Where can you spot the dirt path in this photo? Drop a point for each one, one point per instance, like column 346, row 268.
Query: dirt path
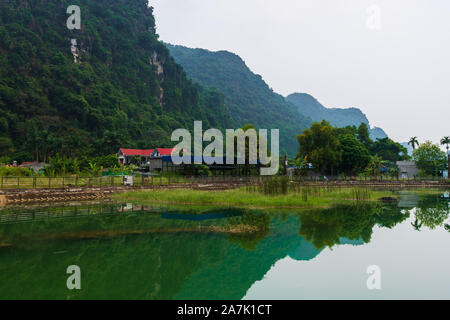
column 22, row 196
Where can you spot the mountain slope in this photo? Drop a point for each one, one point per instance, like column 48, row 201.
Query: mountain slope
column 248, row 97
column 115, row 85
column 309, row 106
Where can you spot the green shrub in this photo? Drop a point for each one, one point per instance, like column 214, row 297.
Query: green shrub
column 15, row 172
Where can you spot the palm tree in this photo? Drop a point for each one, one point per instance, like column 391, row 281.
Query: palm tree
column 445, row 141
column 413, row 142
column 376, row 162
column 417, row 225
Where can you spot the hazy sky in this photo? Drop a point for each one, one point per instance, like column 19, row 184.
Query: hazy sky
column 390, row 58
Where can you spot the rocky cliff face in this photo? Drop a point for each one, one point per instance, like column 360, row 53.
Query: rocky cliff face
column 109, row 84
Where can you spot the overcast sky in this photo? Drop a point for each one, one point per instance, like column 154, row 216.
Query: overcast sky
column 389, row 58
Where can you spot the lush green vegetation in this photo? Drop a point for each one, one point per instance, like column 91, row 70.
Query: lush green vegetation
column 248, row 97
column 127, row 90
column 430, row 159
column 15, row 172
column 348, row 150
column 247, row 197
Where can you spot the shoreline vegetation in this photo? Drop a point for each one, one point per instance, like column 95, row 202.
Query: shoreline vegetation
column 279, row 192
column 304, row 197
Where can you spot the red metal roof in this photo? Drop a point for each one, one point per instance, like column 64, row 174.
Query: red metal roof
column 27, row 163
column 137, row 152
column 165, row 152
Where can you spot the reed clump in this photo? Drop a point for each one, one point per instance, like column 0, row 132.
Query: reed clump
column 271, row 192
column 276, row 186
column 361, row 194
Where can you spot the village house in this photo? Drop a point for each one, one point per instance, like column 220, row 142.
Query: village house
column 407, row 169
column 35, row 166
column 126, row 156
column 151, row 158
column 160, row 159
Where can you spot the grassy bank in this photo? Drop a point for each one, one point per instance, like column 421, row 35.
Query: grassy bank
column 304, row 198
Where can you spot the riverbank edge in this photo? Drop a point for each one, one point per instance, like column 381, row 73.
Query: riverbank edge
column 42, row 195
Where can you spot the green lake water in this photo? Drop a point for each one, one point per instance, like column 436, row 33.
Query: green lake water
column 133, row 251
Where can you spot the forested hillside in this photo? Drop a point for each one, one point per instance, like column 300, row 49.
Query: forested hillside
column 248, row 97
column 116, row 85
column 309, row 106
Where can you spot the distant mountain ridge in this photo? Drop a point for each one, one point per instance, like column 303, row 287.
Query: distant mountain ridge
column 248, row 97
column 251, row 100
column 339, row 117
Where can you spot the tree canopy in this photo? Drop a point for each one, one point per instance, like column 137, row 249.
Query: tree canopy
column 320, row 146
column 347, row 150
column 389, row 150
column 430, row 158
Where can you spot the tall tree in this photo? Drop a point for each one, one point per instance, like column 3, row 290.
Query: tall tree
column 355, row 156
column 320, row 145
column 446, row 141
column 364, row 135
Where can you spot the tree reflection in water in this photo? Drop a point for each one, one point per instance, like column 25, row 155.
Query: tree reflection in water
column 432, row 212
column 326, row 228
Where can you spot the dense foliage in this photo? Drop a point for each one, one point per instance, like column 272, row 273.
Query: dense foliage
column 126, row 90
column 248, row 97
column 348, row 150
column 389, row 150
column 320, row 146
column 429, row 158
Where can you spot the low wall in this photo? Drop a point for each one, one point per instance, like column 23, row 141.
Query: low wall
column 2, row 199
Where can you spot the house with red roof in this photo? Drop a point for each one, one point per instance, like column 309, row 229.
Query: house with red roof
column 127, row 155
column 146, row 156
column 35, row 166
column 161, row 152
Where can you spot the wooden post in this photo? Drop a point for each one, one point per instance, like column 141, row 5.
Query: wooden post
column 2, row 182
column 18, row 182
